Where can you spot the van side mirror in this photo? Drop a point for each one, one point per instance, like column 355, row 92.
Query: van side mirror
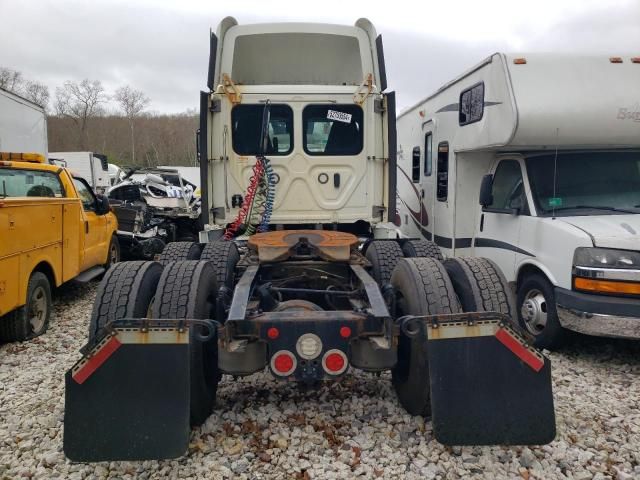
column 102, row 205
column 486, row 198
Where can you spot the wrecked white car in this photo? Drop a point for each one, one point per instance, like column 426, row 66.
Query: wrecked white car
column 154, row 206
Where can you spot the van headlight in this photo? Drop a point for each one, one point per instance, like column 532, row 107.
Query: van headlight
column 606, row 258
column 606, row 270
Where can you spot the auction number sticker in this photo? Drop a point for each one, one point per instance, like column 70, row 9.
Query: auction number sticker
column 339, row 116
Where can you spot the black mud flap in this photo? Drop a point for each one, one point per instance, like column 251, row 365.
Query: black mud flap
column 488, row 386
column 128, row 397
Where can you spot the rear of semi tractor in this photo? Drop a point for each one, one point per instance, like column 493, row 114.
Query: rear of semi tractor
column 299, row 270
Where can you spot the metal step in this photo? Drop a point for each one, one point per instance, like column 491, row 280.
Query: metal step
column 90, row 274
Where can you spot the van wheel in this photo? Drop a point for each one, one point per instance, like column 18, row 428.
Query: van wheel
column 126, row 291
column 114, row 252
column 188, row 290
column 179, row 251
column 537, row 312
column 31, row 319
column 422, row 287
column 384, row 256
column 422, row 248
column 481, row 286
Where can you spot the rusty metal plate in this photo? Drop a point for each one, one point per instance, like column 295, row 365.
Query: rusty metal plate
column 280, row 245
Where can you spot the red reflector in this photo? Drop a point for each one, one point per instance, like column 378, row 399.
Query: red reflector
column 273, row 333
column 345, row 332
column 615, row 59
column 635, row 59
column 334, row 362
column 283, row 363
column 96, row 360
column 519, row 350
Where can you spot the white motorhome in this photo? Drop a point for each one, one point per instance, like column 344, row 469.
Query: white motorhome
column 93, row 167
column 23, row 125
column 555, row 143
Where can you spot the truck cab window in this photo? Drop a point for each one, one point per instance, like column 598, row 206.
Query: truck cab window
column 246, row 121
column 427, row 154
column 443, row 172
column 332, row 129
column 86, row 195
column 508, row 187
column 29, row 183
column 415, row 165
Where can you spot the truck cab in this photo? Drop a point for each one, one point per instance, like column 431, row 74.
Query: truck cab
column 328, row 132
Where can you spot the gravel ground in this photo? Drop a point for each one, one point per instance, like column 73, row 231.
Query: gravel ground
column 264, row 429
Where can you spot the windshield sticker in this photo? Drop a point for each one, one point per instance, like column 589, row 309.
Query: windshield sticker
column 555, row 202
column 339, row 116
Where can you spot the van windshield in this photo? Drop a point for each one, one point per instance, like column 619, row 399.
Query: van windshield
column 588, row 183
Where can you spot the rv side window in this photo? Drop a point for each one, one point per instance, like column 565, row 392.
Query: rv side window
column 443, row 172
column 415, row 165
column 471, row 105
column 508, row 187
column 246, row 121
column 427, row 154
column 332, row 129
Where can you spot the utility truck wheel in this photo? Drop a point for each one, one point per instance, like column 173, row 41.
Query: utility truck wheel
column 113, row 256
column 32, row 319
column 126, row 291
column 178, row 251
column 384, row 256
column 422, row 248
column 538, row 314
column 481, row 286
column 188, row 290
column 422, row 287
column 224, row 256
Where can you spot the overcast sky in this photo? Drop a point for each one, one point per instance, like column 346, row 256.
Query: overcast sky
column 161, row 47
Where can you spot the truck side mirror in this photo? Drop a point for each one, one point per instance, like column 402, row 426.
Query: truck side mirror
column 486, row 198
column 102, row 205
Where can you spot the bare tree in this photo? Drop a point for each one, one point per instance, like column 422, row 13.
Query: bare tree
column 133, row 102
column 37, row 92
column 10, row 80
column 80, row 102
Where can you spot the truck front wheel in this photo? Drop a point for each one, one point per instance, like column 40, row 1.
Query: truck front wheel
column 32, row 319
column 537, row 312
column 114, row 252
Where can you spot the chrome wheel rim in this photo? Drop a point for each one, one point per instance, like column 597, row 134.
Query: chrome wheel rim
column 38, row 309
column 534, row 311
column 113, row 255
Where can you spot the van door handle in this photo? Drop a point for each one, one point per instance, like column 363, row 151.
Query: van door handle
column 481, row 222
column 336, row 180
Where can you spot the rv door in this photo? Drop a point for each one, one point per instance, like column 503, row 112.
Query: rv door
column 499, row 229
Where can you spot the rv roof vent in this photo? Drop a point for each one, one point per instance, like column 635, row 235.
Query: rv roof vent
column 520, row 61
column 615, row 59
column 635, row 59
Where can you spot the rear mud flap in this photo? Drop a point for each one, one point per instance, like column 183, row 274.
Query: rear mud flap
column 128, row 397
column 488, row 386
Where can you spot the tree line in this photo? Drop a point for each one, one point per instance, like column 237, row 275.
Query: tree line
column 128, row 135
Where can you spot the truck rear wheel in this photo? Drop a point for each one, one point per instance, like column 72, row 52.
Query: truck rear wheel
column 126, row 291
column 481, row 286
column 384, row 256
column 422, row 248
column 188, row 290
column 31, row 319
column 223, row 256
column 422, row 287
column 179, row 251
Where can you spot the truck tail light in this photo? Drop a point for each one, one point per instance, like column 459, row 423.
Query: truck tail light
column 334, row 362
column 345, row 332
column 283, row 363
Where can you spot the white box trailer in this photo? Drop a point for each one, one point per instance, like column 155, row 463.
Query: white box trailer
column 93, row 167
column 23, row 125
column 555, row 142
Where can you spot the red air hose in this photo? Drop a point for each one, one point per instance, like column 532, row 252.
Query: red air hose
column 258, row 172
